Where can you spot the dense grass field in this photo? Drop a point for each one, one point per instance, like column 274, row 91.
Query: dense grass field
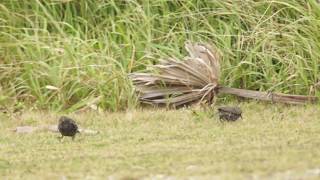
column 73, row 57
column 271, row 141
column 65, row 55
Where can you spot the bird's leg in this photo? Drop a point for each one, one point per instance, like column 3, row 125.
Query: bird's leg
column 60, row 138
column 73, row 138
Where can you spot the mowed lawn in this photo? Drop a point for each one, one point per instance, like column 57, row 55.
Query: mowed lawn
column 271, row 141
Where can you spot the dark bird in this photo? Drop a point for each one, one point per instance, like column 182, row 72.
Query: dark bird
column 67, row 127
column 229, row 113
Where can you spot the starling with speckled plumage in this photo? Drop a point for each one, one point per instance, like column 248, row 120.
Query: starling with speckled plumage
column 67, row 127
column 229, row 113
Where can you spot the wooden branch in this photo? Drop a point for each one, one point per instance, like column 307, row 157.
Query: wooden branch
column 269, row 96
column 49, row 128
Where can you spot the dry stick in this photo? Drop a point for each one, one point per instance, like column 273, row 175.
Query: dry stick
column 269, row 96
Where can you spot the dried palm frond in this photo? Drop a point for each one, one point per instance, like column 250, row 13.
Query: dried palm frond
column 181, row 82
column 195, row 79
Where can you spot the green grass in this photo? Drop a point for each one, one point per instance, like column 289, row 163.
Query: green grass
column 67, row 55
column 74, row 56
column 272, row 141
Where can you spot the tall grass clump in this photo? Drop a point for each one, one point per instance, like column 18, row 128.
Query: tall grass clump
column 68, row 55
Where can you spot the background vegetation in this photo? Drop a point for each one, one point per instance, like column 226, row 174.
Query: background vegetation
column 66, row 54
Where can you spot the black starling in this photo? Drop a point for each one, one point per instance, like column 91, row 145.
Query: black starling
column 229, row 113
column 67, row 127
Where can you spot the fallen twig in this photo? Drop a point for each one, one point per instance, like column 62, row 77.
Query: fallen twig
column 269, row 96
column 49, row 128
